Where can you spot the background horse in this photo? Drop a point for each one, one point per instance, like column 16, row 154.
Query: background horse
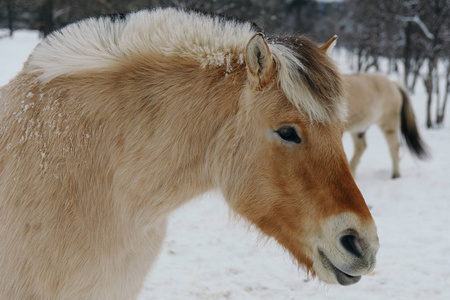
column 113, row 123
column 373, row 98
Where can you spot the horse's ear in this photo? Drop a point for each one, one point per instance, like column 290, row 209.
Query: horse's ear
column 259, row 60
column 329, row 46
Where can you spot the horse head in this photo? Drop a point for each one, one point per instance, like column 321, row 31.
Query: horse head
column 286, row 170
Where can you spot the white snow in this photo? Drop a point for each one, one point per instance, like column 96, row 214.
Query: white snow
column 14, row 52
column 208, row 255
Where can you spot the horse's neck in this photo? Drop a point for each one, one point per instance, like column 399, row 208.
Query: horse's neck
column 171, row 118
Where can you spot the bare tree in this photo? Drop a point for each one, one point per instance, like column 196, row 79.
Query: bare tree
column 436, row 16
column 11, row 15
column 441, row 113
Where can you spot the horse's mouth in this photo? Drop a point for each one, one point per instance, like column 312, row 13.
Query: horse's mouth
column 341, row 277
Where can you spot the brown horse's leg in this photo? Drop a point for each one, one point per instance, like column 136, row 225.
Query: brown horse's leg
column 392, row 138
column 359, row 142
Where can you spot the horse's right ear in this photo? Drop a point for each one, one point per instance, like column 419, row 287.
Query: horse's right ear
column 329, row 46
column 259, row 61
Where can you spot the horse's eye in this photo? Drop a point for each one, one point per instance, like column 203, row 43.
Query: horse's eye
column 289, row 134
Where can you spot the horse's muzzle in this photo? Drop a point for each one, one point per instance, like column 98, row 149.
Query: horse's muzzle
column 343, row 256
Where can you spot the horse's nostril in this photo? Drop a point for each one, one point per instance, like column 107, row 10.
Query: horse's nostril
column 351, row 244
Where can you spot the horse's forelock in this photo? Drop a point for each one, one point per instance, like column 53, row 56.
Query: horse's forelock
column 305, row 73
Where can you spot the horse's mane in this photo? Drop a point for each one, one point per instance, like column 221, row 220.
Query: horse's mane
column 213, row 41
column 98, row 43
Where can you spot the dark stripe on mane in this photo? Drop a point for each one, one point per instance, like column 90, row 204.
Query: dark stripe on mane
column 116, row 16
column 320, row 74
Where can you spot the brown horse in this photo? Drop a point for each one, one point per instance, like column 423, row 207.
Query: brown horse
column 373, row 98
column 115, row 122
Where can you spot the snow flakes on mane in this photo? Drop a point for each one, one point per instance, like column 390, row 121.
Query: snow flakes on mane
column 101, row 43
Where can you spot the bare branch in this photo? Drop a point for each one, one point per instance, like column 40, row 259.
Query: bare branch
column 422, row 26
column 61, row 12
column 107, row 5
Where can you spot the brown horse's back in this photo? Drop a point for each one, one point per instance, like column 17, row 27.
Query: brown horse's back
column 371, row 98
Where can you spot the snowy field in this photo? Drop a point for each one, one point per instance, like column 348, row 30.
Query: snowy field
column 208, row 255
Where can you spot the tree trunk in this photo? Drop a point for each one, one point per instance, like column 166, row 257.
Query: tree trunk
column 360, row 57
column 418, row 62
column 407, row 52
column 441, row 117
column 437, row 92
column 371, row 62
column 429, row 86
column 11, row 16
column 47, row 24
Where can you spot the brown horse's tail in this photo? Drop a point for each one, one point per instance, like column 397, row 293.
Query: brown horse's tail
column 409, row 128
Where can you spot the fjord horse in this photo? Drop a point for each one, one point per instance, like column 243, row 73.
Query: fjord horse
column 374, row 99
column 113, row 123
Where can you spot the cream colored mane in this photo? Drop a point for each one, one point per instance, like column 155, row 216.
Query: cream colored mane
column 96, row 44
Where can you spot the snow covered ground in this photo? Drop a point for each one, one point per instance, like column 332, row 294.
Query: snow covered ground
column 208, row 255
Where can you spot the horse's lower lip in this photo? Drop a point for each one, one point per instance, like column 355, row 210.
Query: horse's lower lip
column 341, row 277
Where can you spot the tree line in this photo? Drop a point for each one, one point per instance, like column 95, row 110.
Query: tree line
column 414, row 35
column 48, row 15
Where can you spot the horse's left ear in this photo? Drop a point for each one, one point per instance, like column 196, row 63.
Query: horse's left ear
column 329, row 46
column 259, row 60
